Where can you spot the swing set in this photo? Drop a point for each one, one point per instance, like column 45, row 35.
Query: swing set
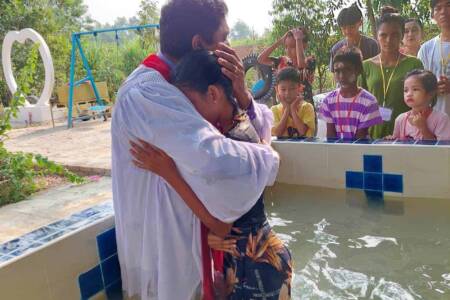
column 76, row 46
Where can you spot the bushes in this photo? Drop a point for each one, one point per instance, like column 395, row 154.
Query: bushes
column 20, row 174
column 113, row 63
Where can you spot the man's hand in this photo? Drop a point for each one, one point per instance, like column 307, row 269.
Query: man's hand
column 233, row 68
column 443, row 86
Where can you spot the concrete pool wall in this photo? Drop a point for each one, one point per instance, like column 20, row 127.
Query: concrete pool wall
column 82, row 262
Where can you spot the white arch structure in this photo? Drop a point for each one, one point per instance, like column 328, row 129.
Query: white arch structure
column 39, row 111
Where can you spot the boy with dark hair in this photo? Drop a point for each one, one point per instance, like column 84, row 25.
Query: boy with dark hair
column 349, row 111
column 293, row 117
column 350, row 21
column 435, row 54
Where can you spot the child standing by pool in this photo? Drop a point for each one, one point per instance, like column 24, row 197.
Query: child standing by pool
column 295, row 42
column 421, row 122
column 349, row 111
column 293, row 117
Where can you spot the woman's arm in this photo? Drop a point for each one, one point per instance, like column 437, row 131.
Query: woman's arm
column 152, row 159
column 264, row 57
column 362, row 133
column 298, row 36
column 331, row 130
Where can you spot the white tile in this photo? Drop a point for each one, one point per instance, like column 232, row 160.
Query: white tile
column 25, row 278
column 426, row 174
column 68, row 258
column 342, row 158
column 302, row 163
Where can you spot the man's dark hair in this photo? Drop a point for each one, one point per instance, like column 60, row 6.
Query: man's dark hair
column 349, row 16
column 351, row 55
column 427, row 78
column 289, row 74
column 198, row 70
column 387, row 17
column 434, row 3
column 181, row 20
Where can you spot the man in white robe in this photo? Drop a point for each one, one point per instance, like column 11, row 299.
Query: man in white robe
column 158, row 236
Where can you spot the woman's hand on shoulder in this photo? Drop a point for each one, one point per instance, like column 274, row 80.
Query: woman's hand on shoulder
column 151, row 158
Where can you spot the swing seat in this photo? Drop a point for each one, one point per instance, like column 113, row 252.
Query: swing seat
column 84, row 102
column 99, row 110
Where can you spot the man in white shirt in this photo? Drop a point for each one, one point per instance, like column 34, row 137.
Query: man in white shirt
column 158, row 236
column 435, row 54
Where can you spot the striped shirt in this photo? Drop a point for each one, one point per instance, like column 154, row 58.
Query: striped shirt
column 350, row 114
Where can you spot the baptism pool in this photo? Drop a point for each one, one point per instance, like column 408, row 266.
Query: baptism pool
column 363, row 221
column 348, row 247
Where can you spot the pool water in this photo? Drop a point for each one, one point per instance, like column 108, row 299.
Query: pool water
column 347, row 247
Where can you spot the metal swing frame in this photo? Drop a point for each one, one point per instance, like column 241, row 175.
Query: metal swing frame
column 76, row 46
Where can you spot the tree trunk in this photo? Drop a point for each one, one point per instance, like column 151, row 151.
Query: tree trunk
column 371, row 16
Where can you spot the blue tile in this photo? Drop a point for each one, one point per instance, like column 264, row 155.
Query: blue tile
column 345, row 141
column 443, row 143
column 56, row 235
column 114, row 291
column 87, row 213
column 331, row 140
column 90, row 283
column 354, row 180
column 374, row 195
column 383, row 141
column 10, row 246
column 40, row 233
column 25, row 249
column 111, row 270
column 65, row 223
column 373, row 163
column 393, row 183
column 405, row 142
column 4, row 258
column 23, row 242
column 426, row 142
column 106, row 244
column 312, row 140
column 373, row 181
column 296, row 139
column 363, row 141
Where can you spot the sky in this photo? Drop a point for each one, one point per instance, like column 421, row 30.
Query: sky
column 253, row 12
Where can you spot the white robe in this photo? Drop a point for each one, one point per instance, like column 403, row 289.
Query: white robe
column 158, row 236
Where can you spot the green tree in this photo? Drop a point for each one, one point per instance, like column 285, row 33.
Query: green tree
column 149, row 14
column 318, row 17
column 241, row 31
column 419, row 9
column 55, row 20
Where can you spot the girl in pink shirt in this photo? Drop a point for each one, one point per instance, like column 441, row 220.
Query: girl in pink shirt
column 421, row 122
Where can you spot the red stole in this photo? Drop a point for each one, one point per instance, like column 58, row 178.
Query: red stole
column 155, row 62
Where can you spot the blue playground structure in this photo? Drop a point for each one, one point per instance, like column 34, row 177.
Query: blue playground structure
column 76, row 45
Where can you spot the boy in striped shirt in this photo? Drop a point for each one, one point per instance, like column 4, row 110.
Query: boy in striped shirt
column 349, row 111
